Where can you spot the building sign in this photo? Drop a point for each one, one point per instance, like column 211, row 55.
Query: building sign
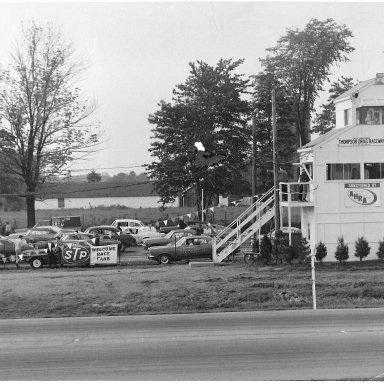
column 104, row 255
column 357, row 141
column 362, row 194
column 74, row 254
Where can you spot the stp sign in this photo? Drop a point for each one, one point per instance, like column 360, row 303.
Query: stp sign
column 75, row 254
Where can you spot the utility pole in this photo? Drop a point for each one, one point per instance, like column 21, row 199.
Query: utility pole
column 275, row 170
column 254, row 177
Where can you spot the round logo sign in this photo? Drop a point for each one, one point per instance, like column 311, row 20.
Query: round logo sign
column 362, row 196
column 75, row 254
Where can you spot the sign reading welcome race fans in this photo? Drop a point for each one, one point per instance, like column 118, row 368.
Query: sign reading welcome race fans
column 363, row 194
column 104, row 255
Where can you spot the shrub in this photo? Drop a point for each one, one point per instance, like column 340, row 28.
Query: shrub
column 279, row 246
column 380, row 252
column 297, row 251
column 362, row 248
column 321, row 251
column 342, row 252
column 265, row 250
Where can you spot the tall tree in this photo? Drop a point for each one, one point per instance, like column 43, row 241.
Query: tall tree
column 43, row 124
column 326, row 119
column 302, row 61
column 208, row 108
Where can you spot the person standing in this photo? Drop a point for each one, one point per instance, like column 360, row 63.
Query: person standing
column 8, row 229
column 20, row 244
column 52, row 251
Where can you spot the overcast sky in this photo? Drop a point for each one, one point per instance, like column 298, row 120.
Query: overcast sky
column 138, row 51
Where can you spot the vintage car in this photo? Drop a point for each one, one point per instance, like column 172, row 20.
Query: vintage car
column 76, row 237
column 136, row 228
column 40, row 234
column 187, row 248
column 170, row 237
column 79, row 255
column 7, row 250
column 109, row 232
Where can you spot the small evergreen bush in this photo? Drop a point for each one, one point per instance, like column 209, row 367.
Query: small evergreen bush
column 280, row 245
column 380, row 252
column 265, row 250
column 342, row 251
column 321, row 251
column 362, row 248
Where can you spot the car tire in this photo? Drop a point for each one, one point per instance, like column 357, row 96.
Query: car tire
column 36, row 263
column 164, row 259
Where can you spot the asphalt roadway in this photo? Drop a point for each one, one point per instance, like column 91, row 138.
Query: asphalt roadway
column 285, row 345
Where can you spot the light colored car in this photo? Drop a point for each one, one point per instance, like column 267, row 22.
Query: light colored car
column 136, row 228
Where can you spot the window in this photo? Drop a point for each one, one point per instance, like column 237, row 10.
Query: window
column 370, row 115
column 60, row 202
column 373, row 171
column 343, row 171
column 346, row 117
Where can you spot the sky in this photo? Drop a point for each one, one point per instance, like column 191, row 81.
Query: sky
column 137, row 52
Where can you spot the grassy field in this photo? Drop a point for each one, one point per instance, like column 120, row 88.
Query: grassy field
column 106, row 215
column 179, row 288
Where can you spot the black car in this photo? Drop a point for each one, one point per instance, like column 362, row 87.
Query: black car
column 109, row 232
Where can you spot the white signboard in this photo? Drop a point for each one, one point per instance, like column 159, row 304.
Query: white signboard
column 104, row 255
column 362, row 194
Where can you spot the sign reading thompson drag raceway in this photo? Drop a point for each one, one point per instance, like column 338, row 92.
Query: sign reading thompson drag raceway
column 104, row 255
column 362, row 194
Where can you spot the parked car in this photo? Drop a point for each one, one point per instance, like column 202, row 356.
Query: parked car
column 77, row 237
column 39, row 234
column 136, row 228
column 187, row 248
column 38, row 257
column 110, row 232
column 65, row 222
column 7, row 248
column 170, row 237
column 285, row 230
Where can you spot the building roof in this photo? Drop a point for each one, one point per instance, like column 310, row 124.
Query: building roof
column 323, row 138
column 107, row 189
column 357, row 88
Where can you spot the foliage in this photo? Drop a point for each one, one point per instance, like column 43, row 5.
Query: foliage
column 208, row 108
column 286, row 131
column 302, row 60
column 342, row 252
column 93, row 177
column 326, row 119
column 362, row 248
column 265, row 250
column 321, row 251
column 42, row 127
column 298, row 251
column 280, row 246
column 380, row 252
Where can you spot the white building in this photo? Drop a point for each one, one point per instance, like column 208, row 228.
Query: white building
column 90, row 195
column 346, row 170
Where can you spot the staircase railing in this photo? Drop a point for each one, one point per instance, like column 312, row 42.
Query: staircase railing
column 244, row 226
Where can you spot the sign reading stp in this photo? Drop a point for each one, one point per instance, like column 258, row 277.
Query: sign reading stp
column 75, row 255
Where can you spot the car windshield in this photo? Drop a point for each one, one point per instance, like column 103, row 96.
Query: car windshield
column 169, row 235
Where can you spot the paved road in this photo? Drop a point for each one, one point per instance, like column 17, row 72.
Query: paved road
column 286, row 345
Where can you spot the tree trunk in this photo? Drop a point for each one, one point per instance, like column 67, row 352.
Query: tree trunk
column 31, row 218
